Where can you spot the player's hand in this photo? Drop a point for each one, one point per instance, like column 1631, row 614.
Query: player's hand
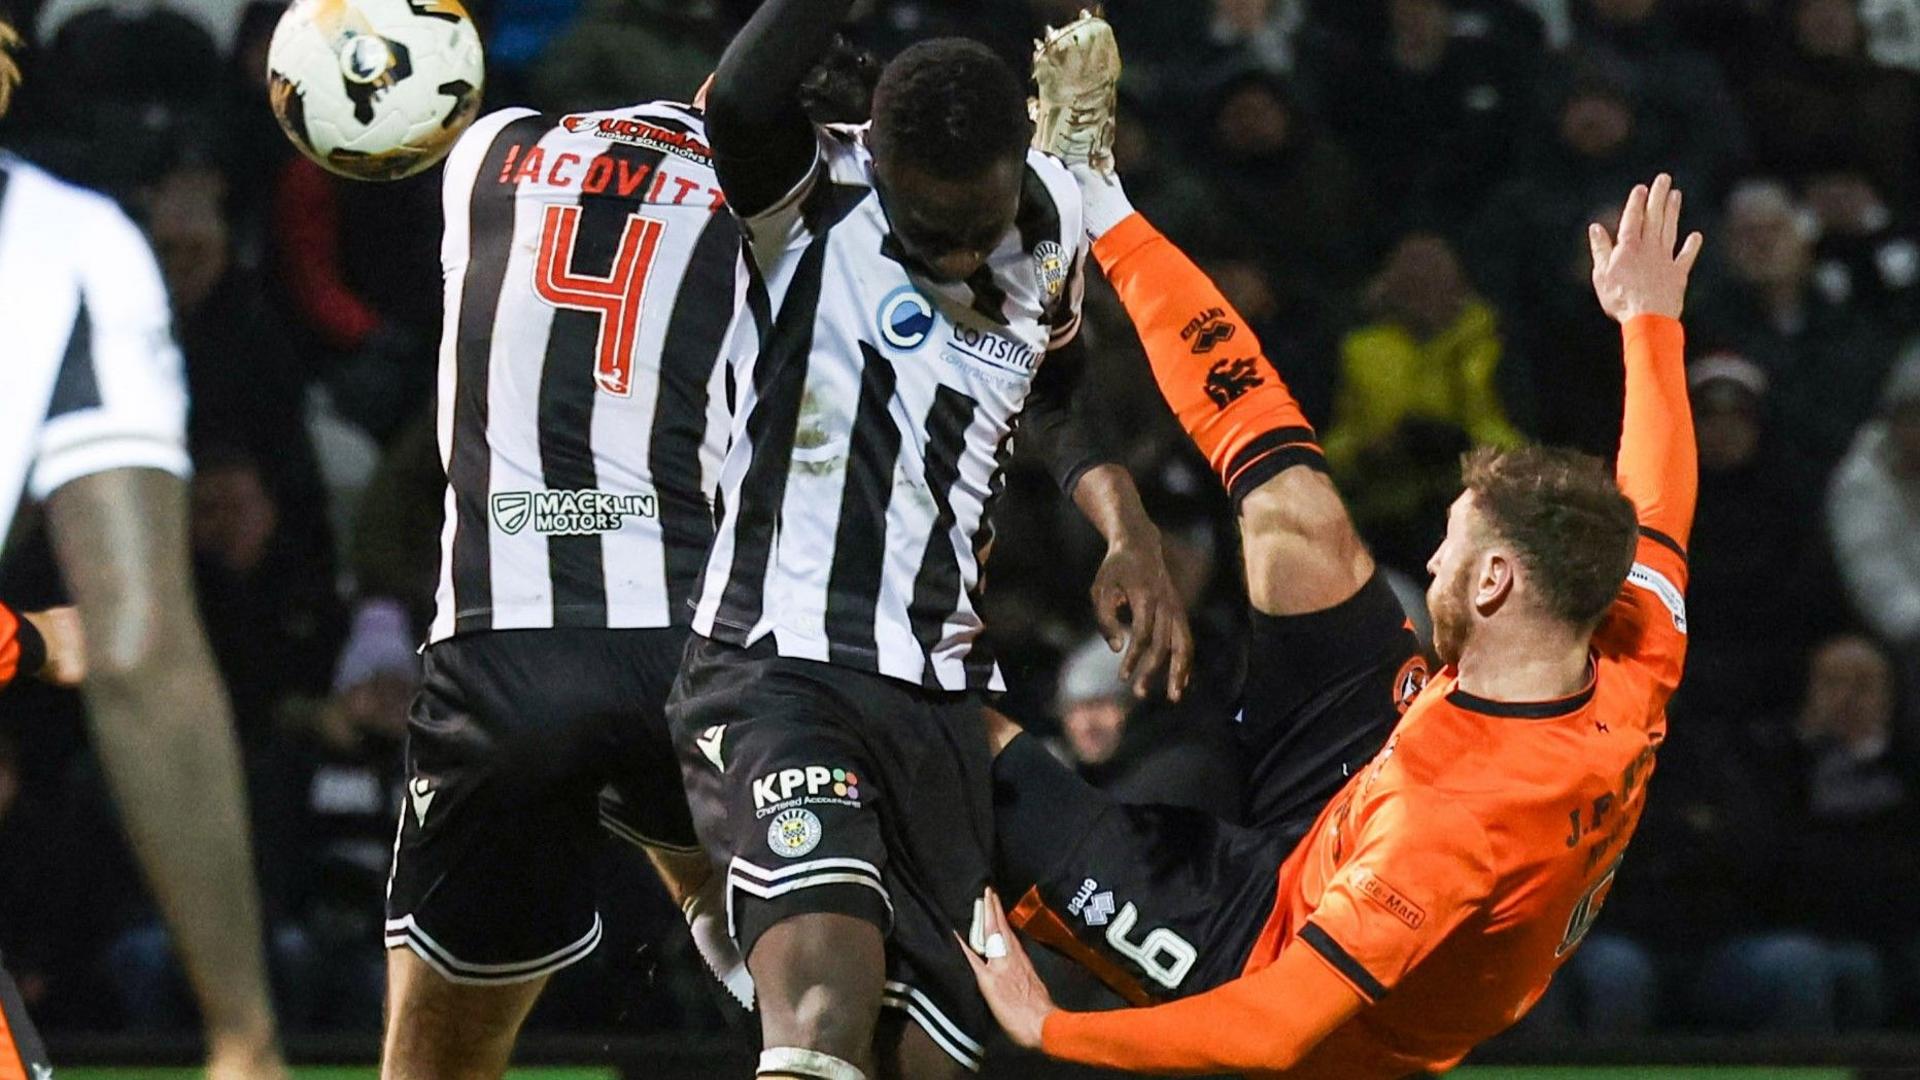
column 1155, row 635
column 1013, row 990
column 66, row 645
column 1638, row 271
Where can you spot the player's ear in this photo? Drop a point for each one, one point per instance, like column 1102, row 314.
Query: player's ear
column 1493, row 582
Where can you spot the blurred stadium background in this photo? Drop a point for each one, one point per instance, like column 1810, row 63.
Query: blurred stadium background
column 1392, row 190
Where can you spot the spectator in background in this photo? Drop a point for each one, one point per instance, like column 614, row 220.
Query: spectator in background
column 1758, row 522
column 1417, row 386
column 1854, row 860
column 270, row 609
column 1290, row 193
column 1434, row 114
column 1690, row 117
column 327, row 793
column 359, row 265
column 1873, row 512
column 1818, row 102
column 244, row 382
column 617, row 52
column 1592, row 151
column 1867, row 255
column 1141, row 753
column 1825, row 358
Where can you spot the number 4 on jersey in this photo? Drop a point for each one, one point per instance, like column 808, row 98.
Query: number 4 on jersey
column 617, row 298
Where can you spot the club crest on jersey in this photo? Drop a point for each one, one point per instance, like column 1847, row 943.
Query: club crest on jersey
column 1050, row 268
column 1409, row 682
column 794, row 833
column 905, row 320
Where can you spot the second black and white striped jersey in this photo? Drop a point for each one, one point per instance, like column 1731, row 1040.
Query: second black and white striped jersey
column 590, row 277
column 875, row 410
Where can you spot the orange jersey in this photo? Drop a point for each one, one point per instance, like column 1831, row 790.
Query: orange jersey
column 1439, row 891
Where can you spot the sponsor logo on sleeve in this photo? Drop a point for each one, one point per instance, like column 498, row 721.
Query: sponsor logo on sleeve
column 1374, row 888
column 569, row 513
column 811, row 785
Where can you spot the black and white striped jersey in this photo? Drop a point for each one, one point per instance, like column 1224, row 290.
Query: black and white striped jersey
column 875, row 409
column 90, row 377
column 590, row 277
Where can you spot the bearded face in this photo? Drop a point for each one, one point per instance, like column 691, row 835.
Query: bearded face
column 1452, row 569
column 1452, row 617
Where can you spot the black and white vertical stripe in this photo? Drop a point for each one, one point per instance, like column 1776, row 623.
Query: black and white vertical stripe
column 875, row 408
column 523, row 419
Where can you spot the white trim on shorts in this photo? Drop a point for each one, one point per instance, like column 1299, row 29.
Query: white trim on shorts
column 620, row 830
column 404, row 931
column 767, row 884
column 942, row 1030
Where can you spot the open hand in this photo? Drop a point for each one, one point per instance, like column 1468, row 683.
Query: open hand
column 1156, row 637
column 1013, row 989
column 1638, row 271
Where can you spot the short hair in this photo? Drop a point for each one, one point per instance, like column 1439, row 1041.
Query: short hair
column 9, row 68
column 1576, row 532
column 952, row 107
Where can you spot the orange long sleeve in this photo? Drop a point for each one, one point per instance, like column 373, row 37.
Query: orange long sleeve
column 21, row 650
column 1659, row 466
column 1260, row 1023
column 1219, row 383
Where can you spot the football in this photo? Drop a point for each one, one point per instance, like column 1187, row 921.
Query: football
column 375, row 89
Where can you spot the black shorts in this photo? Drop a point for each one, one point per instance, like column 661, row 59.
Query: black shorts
column 1162, row 902
column 522, row 745
column 819, row 789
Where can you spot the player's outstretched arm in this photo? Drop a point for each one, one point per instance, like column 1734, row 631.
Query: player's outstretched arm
column 763, row 143
column 164, row 733
column 1265, row 1022
column 1640, row 276
column 1301, row 549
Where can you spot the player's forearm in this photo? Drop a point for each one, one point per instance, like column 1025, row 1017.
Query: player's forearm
column 762, row 139
column 1265, row 1022
column 1659, row 468
column 1110, row 501
column 1051, row 428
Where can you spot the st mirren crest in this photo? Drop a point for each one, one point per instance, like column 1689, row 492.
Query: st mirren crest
column 1050, row 269
column 511, row 509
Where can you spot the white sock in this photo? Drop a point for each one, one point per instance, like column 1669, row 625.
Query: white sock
column 1106, row 201
column 812, row 1064
column 707, row 921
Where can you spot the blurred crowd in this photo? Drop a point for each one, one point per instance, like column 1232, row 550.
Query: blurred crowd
column 1394, row 194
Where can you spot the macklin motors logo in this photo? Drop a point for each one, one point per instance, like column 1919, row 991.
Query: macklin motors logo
column 568, row 513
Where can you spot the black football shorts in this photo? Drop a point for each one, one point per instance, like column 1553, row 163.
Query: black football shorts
column 822, row 789
column 1161, row 902
column 521, row 747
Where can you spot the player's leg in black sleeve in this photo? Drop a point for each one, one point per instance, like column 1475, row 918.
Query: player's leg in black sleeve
column 1156, row 901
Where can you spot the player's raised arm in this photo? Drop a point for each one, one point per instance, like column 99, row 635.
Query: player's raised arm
column 1641, row 281
column 1640, row 275
column 763, row 143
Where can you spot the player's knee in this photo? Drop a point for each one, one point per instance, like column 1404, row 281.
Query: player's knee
column 438, row 1024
